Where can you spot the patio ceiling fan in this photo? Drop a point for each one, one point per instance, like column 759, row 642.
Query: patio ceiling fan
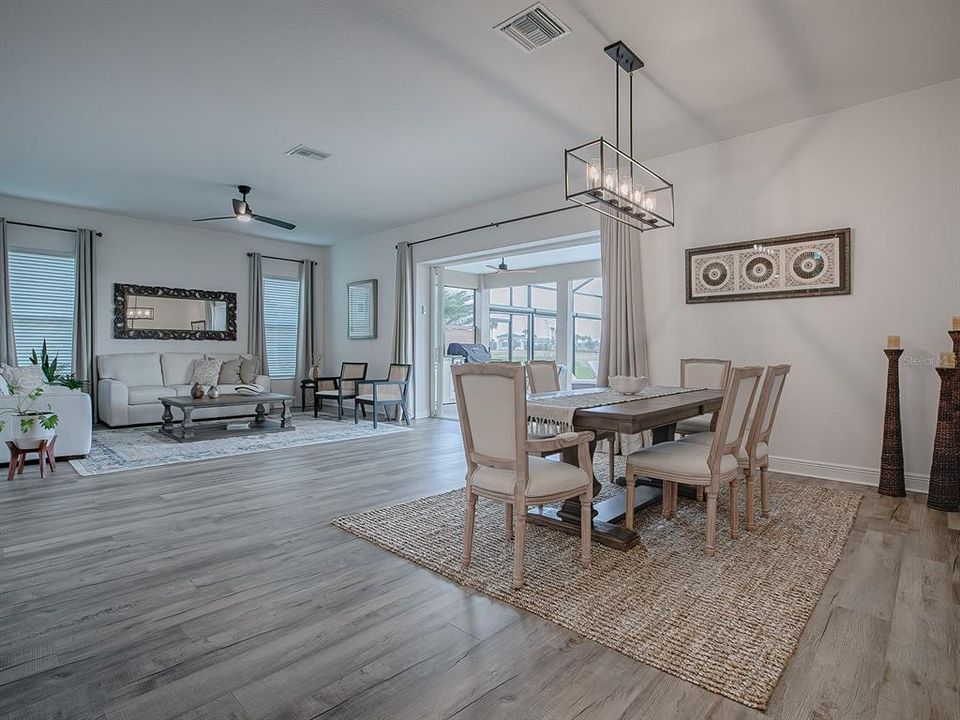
column 243, row 213
column 502, row 269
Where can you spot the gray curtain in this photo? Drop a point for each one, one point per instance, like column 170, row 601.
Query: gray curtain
column 256, row 329
column 623, row 334
column 84, row 356
column 306, row 321
column 403, row 318
column 8, row 345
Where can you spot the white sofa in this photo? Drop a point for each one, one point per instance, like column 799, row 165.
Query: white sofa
column 131, row 383
column 73, row 430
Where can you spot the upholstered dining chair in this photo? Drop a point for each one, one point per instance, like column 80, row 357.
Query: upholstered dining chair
column 707, row 373
column 492, row 404
column 754, row 454
column 345, row 387
column 696, row 464
column 544, row 376
column 382, row 394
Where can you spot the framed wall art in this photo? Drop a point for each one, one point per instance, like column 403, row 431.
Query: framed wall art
column 362, row 310
column 812, row 264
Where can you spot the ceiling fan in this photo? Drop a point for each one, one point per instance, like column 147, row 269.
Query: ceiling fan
column 502, row 269
column 243, row 213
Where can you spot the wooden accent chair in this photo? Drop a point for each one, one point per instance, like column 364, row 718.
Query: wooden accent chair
column 389, row 392
column 544, row 376
column 492, row 404
column 755, row 452
column 696, row 464
column 345, row 388
column 702, row 373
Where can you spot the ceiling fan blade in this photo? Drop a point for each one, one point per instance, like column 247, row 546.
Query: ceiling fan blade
column 273, row 221
column 522, row 272
column 225, row 217
column 239, row 207
column 492, row 267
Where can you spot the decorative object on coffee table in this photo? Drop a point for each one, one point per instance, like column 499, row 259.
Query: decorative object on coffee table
column 891, row 456
column 213, row 392
column 196, row 392
column 944, row 491
column 45, row 454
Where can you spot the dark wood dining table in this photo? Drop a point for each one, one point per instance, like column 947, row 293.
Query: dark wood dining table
column 658, row 414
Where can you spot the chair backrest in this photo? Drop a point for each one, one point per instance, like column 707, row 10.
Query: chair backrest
column 543, row 376
column 704, row 373
column 766, row 409
column 350, row 371
column 492, row 405
column 399, row 372
column 738, row 397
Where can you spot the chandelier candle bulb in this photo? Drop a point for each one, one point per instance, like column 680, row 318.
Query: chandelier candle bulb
column 948, row 360
column 893, row 342
column 956, row 322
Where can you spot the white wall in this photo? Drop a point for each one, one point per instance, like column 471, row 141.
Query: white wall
column 889, row 169
column 151, row 253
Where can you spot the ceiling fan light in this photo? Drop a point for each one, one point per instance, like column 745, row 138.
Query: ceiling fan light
column 244, row 218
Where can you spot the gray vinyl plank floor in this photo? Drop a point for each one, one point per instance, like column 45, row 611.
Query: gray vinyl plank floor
column 219, row 590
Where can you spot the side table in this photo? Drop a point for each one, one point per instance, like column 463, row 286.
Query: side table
column 45, row 454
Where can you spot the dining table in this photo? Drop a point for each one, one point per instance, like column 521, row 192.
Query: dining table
column 659, row 415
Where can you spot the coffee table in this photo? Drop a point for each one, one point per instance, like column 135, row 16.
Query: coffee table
column 189, row 431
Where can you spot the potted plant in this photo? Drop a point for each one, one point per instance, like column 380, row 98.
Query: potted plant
column 31, row 423
column 49, row 367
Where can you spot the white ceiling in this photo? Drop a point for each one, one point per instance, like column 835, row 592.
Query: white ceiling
column 528, row 260
column 157, row 109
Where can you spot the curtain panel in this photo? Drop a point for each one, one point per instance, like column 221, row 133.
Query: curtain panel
column 307, row 340
column 84, row 353
column 403, row 318
column 256, row 328
column 8, row 345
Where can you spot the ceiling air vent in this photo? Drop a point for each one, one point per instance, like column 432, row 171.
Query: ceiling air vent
column 306, row 152
column 533, row 28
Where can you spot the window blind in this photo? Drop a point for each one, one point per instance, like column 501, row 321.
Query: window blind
column 281, row 303
column 42, row 290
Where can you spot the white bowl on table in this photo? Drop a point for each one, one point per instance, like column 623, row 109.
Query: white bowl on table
column 627, row 384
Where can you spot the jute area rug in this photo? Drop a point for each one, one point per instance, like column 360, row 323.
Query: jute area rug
column 728, row 623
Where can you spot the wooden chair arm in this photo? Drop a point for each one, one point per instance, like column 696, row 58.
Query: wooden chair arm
column 558, row 442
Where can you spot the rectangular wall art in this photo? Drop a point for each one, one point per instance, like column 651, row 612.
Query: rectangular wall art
column 781, row 267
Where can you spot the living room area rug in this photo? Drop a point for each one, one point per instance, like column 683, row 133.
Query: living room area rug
column 118, row 449
column 728, row 623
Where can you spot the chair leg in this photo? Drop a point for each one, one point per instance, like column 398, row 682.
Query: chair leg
column 316, row 405
column 508, row 521
column 748, row 489
column 735, row 507
column 674, row 489
column 406, row 418
column 355, row 418
column 374, row 415
column 667, row 493
column 711, row 521
column 339, row 410
column 468, row 528
column 585, row 520
column 699, row 493
column 520, row 537
column 629, row 494
column 764, row 492
column 363, row 410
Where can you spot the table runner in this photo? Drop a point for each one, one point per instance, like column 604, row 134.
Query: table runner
column 551, row 413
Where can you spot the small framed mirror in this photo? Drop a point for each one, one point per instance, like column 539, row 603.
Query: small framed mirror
column 362, row 310
column 146, row 312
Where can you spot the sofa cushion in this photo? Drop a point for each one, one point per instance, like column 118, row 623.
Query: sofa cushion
column 4, row 386
column 206, row 372
column 27, row 379
column 131, row 368
column 230, row 372
column 145, row 394
column 178, row 367
column 249, row 369
column 182, row 390
column 227, row 356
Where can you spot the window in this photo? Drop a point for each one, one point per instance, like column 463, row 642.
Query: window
column 281, row 306
column 42, row 289
column 587, row 298
column 520, row 313
column 459, row 319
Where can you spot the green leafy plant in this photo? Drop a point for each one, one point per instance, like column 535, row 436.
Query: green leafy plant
column 29, row 413
column 70, row 381
column 47, row 365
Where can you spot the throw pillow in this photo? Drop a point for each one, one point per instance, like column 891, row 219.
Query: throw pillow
column 249, row 369
column 206, row 372
column 4, row 386
column 249, row 389
column 6, row 372
column 230, row 372
column 27, row 379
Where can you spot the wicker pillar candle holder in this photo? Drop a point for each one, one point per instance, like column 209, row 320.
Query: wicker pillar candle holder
column 944, row 493
column 891, row 456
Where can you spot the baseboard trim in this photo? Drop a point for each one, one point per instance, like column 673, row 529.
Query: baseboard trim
column 915, row 482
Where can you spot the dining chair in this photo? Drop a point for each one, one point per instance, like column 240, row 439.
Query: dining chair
column 389, row 392
column 707, row 373
column 492, row 405
column 544, row 376
column 754, row 454
column 689, row 463
column 345, row 387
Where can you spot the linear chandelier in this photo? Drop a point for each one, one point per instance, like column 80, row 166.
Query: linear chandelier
column 601, row 176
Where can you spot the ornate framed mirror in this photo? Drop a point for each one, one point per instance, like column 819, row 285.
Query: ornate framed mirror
column 144, row 312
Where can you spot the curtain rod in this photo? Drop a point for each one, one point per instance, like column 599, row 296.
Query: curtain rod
column 495, row 224
column 47, row 227
column 274, row 257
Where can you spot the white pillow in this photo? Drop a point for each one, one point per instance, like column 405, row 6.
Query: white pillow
column 27, row 379
column 249, row 389
column 4, row 386
column 206, row 372
column 6, row 372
